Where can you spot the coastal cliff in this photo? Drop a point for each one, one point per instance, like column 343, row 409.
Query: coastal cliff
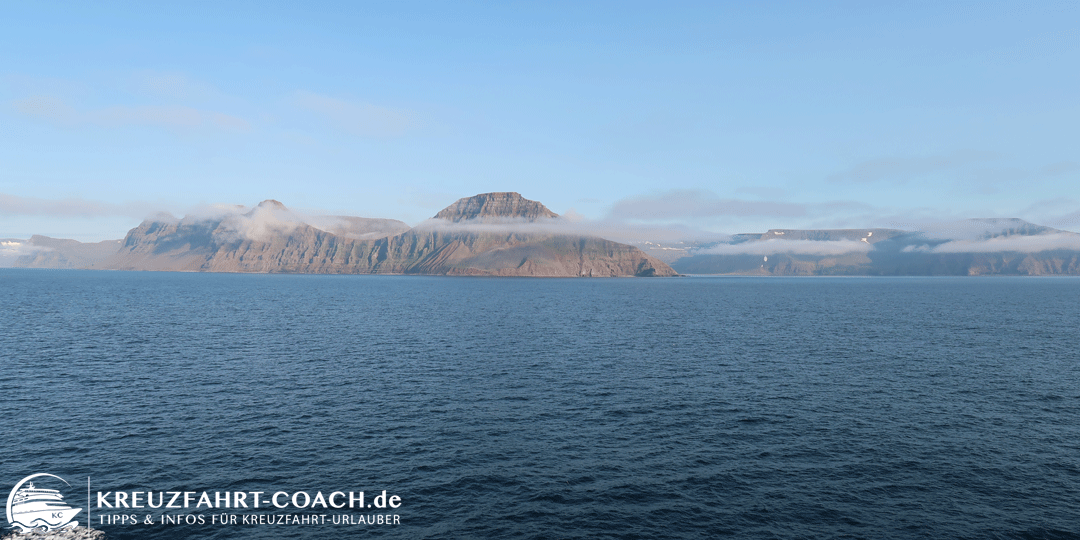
column 505, row 234
column 493, row 234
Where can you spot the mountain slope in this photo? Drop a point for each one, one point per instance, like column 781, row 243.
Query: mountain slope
column 488, row 206
column 471, row 238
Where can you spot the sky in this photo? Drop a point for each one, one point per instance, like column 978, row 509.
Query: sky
column 723, row 117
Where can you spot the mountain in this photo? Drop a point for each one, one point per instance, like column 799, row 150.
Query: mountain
column 44, row 252
column 970, row 247
column 495, row 206
column 492, row 234
column 430, row 250
column 505, row 234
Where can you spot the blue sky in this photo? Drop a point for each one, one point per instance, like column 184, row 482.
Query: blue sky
column 719, row 116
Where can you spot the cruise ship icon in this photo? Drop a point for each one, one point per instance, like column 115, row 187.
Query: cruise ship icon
column 44, row 509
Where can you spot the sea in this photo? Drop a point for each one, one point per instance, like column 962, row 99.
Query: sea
column 637, row 408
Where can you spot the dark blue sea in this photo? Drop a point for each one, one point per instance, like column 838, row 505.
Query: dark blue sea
column 750, row 408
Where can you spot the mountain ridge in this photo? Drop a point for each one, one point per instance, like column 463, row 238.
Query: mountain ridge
column 270, row 238
column 505, row 234
column 978, row 246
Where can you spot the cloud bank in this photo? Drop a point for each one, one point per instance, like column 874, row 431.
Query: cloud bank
column 1015, row 243
column 234, row 223
column 796, row 247
column 11, row 250
column 607, row 229
column 59, row 111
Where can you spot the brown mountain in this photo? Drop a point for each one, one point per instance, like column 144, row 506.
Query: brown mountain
column 504, row 234
column 494, row 234
column 429, row 250
column 488, row 206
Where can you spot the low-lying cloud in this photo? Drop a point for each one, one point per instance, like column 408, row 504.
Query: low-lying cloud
column 261, row 223
column 12, row 250
column 795, row 247
column 270, row 220
column 607, row 229
column 974, row 229
column 236, row 223
column 1014, row 243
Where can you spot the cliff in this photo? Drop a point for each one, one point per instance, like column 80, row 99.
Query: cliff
column 505, row 234
column 966, row 248
column 481, row 236
column 427, row 250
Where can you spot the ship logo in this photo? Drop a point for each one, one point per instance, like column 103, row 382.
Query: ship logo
column 30, row 507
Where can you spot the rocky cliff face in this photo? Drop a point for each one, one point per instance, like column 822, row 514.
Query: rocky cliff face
column 217, row 247
column 471, row 237
column 465, row 242
column 504, row 234
column 495, row 206
column 426, row 251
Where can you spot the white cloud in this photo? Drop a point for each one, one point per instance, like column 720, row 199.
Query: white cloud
column 235, row 222
column 976, row 229
column 262, row 223
column 573, row 225
column 270, row 219
column 1017, row 243
column 357, row 118
column 173, row 117
column 11, row 250
column 802, row 247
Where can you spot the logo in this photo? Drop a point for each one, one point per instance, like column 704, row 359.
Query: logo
column 30, row 507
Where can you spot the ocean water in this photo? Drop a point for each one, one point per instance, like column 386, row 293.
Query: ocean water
column 555, row 408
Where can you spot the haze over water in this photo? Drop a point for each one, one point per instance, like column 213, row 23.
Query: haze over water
column 558, row 408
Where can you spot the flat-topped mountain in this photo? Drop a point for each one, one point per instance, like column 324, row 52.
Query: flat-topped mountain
column 870, row 236
column 483, row 235
column 493, row 206
column 269, row 203
column 995, row 246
